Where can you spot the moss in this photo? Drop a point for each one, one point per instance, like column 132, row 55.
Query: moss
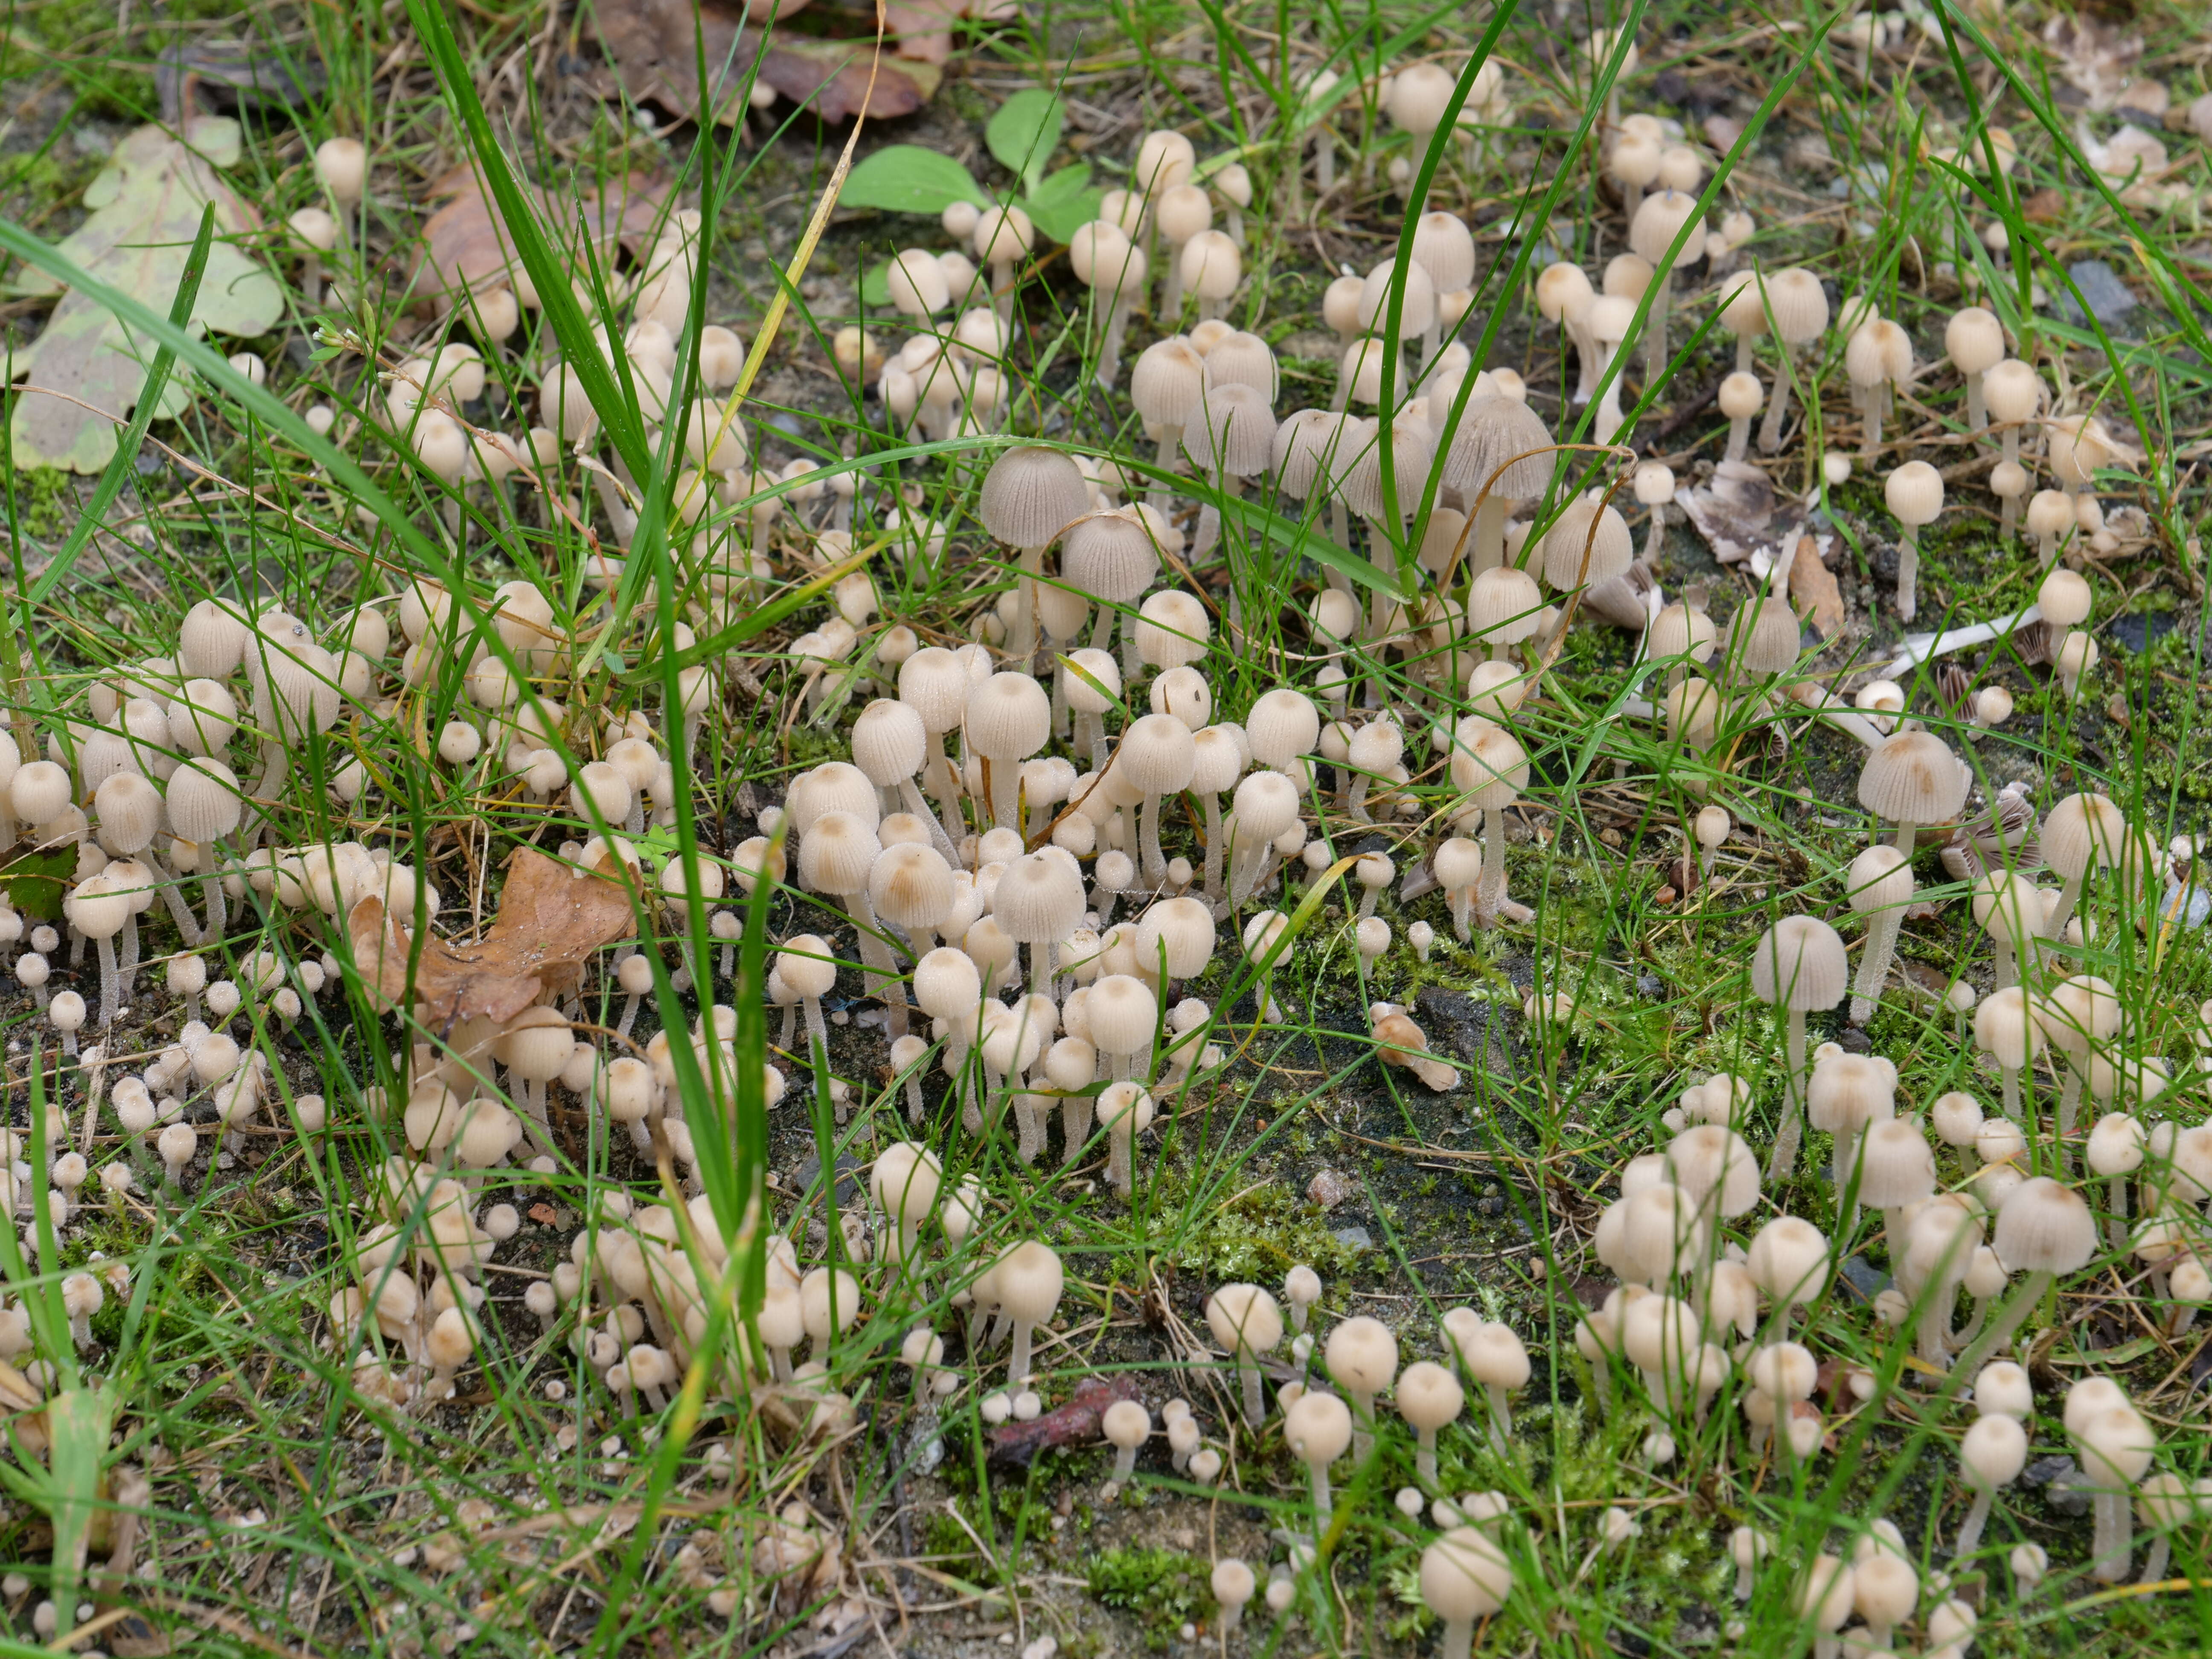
column 1164, row 1588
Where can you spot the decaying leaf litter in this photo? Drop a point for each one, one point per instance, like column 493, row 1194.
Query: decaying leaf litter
column 1596, row 1056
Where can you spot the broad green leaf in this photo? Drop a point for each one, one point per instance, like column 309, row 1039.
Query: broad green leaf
column 876, row 286
column 1064, row 201
column 146, row 207
column 1025, row 133
column 907, row 178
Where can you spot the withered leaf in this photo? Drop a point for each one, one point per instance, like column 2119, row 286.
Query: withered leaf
column 1732, row 512
column 656, row 46
column 1813, row 590
column 552, row 919
column 465, row 248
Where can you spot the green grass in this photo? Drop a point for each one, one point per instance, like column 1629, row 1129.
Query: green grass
column 287, row 1507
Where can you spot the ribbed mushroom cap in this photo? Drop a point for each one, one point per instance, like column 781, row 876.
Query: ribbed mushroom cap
column 1444, row 248
column 1242, row 359
column 1789, row 1260
column 1305, row 451
column 1505, row 606
column 2080, row 832
column 1799, row 305
column 1165, row 385
column 1282, row 724
column 2080, row 1013
column 1110, row 555
column 1898, row 1165
column 1244, row 1320
column 1009, row 717
column 1421, row 94
column 1913, row 777
column 1030, row 494
column 1412, row 447
column 1417, row 309
column 1849, row 1091
column 1659, row 219
column 204, row 800
column 836, row 854
column 2044, row 1227
column 1594, row 527
column 1172, row 630
column 1763, row 635
column 1800, row 963
column 129, row 811
column 1492, row 432
column 1232, row 431
column 832, row 786
column 1039, row 899
column 910, row 885
column 889, row 742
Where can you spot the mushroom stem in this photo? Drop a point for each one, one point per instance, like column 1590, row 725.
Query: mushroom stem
column 1501, row 1417
column 2116, row 1230
column 1792, row 1129
column 2115, row 1536
column 1490, row 896
column 1777, row 406
column 1738, row 437
column 2154, row 1563
column 1908, row 563
column 1256, row 1403
column 1424, row 1458
column 1164, row 459
column 1970, row 1529
column 2069, row 1099
column 1117, row 328
column 1018, row 1362
column 1489, row 534
column 109, row 982
column 1023, row 644
column 1216, row 853
column 2010, row 1317
column 1322, row 1509
column 1155, row 866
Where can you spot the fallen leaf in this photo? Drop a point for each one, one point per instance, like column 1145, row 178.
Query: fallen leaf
column 552, row 919
column 1732, row 512
column 2043, row 207
column 2093, row 57
column 544, row 1215
column 464, row 246
column 146, row 206
column 1813, row 590
column 656, row 46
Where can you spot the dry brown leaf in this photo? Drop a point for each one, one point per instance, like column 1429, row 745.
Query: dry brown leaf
column 1813, row 589
column 552, row 919
column 656, row 46
column 464, row 246
column 2093, row 57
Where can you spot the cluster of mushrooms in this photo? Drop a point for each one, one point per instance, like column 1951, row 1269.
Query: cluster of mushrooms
column 1065, row 785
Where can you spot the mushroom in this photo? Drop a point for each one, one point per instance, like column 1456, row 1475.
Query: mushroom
column 1029, row 496
column 1317, row 1427
column 1245, row 1320
column 1465, row 1576
column 1027, row 1280
column 1126, row 1425
column 1656, row 226
column 1125, row 1111
column 1915, row 494
column 1798, row 965
column 1993, row 1455
column 1798, row 308
column 2042, row 1229
column 1362, row 1358
column 2115, row 1446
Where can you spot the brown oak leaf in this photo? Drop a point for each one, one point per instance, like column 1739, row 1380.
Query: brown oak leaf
column 656, row 46
column 552, row 917
column 1813, row 590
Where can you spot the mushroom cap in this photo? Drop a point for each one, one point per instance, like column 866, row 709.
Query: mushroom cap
column 1798, row 304
column 1974, row 341
column 1764, row 636
column 1172, row 630
column 2013, row 391
column 1317, row 1427
column 1030, row 494
column 2009, row 906
column 2116, row 1144
column 1800, row 963
column 1244, row 1320
column 1913, row 777
column 1167, row 381
column 1444, row 247
column 1742, row 396
column 1181, row 932
column 1591, row 529
column 1660, row 218
column 1039, row 898
column 889, row 742
column 1713, row 1160
column 2082, row 831
column 1028, row 1280
column 1488, row 765
column 1884, row 1588
column 1232, row 431
column 1898, row 1166
column 1850, row 1092
column 1994, row 1451
column 1493, row 431
column 1789, row 1260
column 1914, row 493
column 1158, row 754
column 1009, row 717
column 1420, row 96
column 1880, row 879
column 1233, row 1582
column 1492, row 1353
column 1361, row 1354
column 2115, row 1446
column 836, row 854
column 1465, row 1576
column 1123, row 1014
column 2044, row 1227
column 1126, row 1423
column 1504, row 605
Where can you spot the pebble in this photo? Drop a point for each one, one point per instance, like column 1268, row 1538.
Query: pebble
column 1045, row 1646
column 2108, row 298
column 1327, row 1188
column 1357, row 1238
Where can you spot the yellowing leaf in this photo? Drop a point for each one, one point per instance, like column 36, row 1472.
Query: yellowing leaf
column 146, row 208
